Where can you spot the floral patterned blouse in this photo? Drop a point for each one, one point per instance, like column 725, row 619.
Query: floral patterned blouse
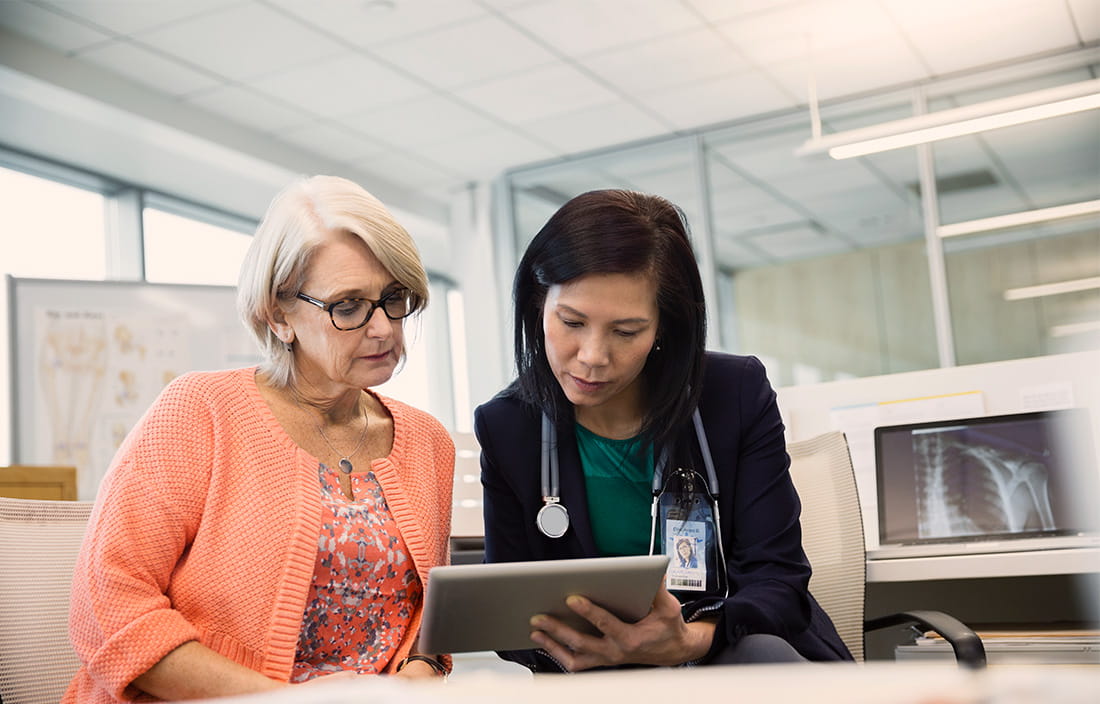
column 365, row 586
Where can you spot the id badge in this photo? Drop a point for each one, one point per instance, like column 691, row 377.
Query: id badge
column 687, row 533
column 686, row 544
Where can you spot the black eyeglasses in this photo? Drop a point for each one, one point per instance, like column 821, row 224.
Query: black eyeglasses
column 353, row 313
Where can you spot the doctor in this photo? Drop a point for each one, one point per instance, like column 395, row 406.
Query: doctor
column 621, row 436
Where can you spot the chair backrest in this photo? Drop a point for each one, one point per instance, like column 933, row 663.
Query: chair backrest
column 466, row 514
column 39, row 543
column 832, row 531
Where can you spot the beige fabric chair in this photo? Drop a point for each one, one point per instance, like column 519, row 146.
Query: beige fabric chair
column 832, row 536
column 832, row 531
column 39, row 543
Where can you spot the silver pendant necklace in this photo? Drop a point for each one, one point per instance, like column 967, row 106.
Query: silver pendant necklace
column 345, row 464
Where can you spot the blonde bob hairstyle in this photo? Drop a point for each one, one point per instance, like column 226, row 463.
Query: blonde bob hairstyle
column 274, row 268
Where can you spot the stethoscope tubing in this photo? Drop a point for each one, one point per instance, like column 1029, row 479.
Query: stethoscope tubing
column 550, row 475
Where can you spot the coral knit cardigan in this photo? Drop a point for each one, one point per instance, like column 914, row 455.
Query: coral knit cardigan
column 206, row 528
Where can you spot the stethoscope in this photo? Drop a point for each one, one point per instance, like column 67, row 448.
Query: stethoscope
column 553, row 518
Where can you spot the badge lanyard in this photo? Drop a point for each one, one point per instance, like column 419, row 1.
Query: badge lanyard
column 684, row 516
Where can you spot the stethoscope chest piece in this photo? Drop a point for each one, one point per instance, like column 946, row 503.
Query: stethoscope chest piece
column 552, row 520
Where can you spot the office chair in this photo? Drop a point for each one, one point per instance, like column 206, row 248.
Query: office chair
column 39, row 543
column 832, row 536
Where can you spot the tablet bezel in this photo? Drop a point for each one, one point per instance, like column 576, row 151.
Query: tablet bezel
column 469, row 608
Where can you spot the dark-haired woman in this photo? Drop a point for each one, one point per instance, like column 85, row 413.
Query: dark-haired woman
column 649, row 439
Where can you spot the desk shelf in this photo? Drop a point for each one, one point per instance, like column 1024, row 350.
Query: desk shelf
column 1006, row 564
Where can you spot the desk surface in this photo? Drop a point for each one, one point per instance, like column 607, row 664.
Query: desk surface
column 1005, row 564
column 869, row 683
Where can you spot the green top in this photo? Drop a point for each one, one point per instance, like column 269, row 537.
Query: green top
column 618, row 480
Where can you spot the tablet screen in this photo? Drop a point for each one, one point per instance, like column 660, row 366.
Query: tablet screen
column 489, row 606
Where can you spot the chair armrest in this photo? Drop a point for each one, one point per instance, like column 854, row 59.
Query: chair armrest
column 967, row 645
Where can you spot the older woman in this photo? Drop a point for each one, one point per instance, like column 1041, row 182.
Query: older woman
column 268, row 526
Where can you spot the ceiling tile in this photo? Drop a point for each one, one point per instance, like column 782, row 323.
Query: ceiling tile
column 406, row 169
column 485, row 155
column 537, row 93
column 153, row 70
column 428, row 118
column 340, row 85
column 465, row 53
column 664, row 62
column 246, row 107
column 333, row 141
column 723, row 10
column 510, row 4
column 564, row 182
column 128, row 16
column 363, row 25
column 241, row 42
column 595, row 127
column 943, row 31
column 858, row 68
column 798, row 241
column 1086, row 17
column 579, row 27
column 1063, row 153
column 738, row 255
column 817, row 31
column 48, row 27
column 749, row 218
column 712, row 101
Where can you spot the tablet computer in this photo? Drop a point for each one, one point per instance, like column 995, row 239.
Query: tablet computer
column 471, row 608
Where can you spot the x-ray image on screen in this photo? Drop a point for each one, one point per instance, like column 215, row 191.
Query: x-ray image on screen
column 971, row 482
column 994, row 477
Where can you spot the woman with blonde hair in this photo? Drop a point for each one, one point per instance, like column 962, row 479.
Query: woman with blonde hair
column 276, row 524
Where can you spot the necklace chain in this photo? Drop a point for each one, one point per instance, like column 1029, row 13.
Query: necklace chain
column 345, row 460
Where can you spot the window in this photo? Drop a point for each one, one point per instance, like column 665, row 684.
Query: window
column 427, row 380
column 181, row 249
column 825, row 259
column 50, row 229
column 824, row 268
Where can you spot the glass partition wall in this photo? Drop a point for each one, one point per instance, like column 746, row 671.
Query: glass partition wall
column 825, row 268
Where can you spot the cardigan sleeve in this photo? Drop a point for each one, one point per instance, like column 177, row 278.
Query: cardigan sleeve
column 146, row 514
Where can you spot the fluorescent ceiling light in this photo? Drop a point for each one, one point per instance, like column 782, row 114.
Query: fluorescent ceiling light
column 956, row 122
column 1025, row 217
column 1074, row 329
column 1016, row 294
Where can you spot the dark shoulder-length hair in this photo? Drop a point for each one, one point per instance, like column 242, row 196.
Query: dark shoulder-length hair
column 617, row 232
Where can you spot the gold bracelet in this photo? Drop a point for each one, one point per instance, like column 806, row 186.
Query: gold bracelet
column 435, row 664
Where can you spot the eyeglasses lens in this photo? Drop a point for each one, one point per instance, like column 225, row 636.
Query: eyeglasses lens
column 352, row 314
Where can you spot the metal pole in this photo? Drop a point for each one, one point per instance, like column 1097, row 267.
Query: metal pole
column 703, row 242
column 937, row 270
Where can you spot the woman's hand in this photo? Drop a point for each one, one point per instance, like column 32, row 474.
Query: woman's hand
column 661, row 638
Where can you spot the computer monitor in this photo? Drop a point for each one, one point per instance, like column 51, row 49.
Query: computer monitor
column 1024, row 481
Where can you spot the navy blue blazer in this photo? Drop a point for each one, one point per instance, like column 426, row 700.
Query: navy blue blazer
column 767, row 570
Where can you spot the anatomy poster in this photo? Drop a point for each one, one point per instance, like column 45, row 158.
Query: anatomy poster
column 97, row 372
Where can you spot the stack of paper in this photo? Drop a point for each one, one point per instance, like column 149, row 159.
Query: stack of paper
column 1016, row 647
